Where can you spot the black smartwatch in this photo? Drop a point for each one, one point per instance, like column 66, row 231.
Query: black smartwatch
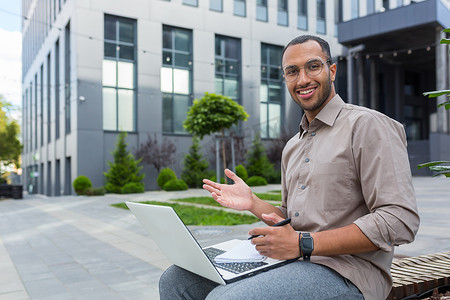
column 306, row 245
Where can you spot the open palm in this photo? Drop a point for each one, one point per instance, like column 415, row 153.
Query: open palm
column 237, row 196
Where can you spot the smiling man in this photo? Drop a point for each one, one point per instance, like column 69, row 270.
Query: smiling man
column 346, row 185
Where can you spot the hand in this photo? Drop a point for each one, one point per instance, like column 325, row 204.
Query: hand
column 276, row 242
column 238, row 196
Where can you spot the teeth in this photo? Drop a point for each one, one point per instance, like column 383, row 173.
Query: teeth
column 306, row 91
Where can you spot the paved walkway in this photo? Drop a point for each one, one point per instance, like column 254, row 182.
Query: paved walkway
column 82, row 248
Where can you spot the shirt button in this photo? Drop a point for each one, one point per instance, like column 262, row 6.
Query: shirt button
column 297, row 214
column 303, row 187
column 313, row 133
column 307, row 160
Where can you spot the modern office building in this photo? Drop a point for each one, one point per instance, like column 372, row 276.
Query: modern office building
column 93, row 68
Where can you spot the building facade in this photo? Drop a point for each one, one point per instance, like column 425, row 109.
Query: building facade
column 392, row 58
column 93, row 68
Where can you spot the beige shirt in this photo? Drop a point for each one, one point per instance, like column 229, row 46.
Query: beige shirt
column 350, row 165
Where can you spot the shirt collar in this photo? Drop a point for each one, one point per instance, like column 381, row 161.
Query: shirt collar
column 327, row 115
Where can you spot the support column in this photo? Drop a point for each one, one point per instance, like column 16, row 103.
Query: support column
column 374, row 96
column 361, row 93
column 350, row 74
column 398, row 93
column 441, row 81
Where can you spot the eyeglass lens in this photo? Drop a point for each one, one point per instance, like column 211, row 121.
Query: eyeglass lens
column 312, row 68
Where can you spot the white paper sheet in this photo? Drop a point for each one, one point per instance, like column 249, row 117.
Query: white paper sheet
column 243, row 252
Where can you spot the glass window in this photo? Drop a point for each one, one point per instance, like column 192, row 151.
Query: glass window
column 191, row 2
column 261, row 10
column 370, row 6
column 321, row 21
column 271, row 93
column 215, row 5
column 176, row 77
column 118, row 74
column 355, row 9
column 126, row 32
column 109, row 109
column 166, row 80
column 228, row 67
column 302, row 15
column 109, row 73
column 283, row 16
column 125, row 72
column 338, row 15
column 240, row 8
column 126, row 110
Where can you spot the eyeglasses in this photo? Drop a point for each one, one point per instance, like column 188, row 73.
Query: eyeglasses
column 312, row 68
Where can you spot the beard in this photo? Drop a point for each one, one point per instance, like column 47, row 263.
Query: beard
column 322, row 97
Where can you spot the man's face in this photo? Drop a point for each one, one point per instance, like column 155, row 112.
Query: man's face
column 312, row 93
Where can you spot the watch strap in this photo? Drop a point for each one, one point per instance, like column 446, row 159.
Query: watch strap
column 306, row 245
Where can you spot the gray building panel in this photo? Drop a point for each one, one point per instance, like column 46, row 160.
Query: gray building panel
column 399, row 19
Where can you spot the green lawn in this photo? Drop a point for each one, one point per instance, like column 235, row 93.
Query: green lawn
column 269, row 196
column 192, row 215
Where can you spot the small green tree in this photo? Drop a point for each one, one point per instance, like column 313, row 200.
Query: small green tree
column 125, row 168
column 257, row 162
column 195, row 166
column 214, row 113
column 10, row 146
column 439, row 166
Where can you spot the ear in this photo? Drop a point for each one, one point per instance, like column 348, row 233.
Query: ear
column 333, row 69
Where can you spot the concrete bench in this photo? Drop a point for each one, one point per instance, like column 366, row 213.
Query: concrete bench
column 418, row 275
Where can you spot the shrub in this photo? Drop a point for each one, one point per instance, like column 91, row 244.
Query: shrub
column 94, row 191
column 258, row 163
column 214, row 178
column 133, row 187
column 194, row 166
column 164, row 176
column 256, row 180
column 81, row 183
column 125, row 168
column 175, row 185
column 241, row 172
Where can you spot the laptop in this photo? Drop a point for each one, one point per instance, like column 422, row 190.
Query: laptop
column 175, row 240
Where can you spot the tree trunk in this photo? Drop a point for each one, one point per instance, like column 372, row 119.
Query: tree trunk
column 223, row 155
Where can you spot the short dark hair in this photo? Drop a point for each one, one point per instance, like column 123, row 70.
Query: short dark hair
column 304, row 38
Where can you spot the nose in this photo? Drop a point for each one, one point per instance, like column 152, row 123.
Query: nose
column 303, row 78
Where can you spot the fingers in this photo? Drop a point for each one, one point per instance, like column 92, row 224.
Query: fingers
column 211, row 183
column 273, row 217
column 230, row 174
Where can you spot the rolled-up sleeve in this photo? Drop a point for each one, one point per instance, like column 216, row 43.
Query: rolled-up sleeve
column 381, row 159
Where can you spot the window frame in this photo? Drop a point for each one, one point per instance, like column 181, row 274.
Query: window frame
column 281, row 11
column 173, row 66
column 244, row 3
column 117, row 60
column 268, row 81
column 262, row 5
column 302, row 14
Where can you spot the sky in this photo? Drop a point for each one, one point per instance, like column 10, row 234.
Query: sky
column 11, row 51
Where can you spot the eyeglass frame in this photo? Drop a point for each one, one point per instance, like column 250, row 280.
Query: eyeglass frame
column 299, row 69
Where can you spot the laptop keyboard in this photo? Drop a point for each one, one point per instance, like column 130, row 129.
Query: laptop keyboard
column 236, row 267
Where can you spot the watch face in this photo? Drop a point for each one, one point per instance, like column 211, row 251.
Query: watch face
column 307, row 244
